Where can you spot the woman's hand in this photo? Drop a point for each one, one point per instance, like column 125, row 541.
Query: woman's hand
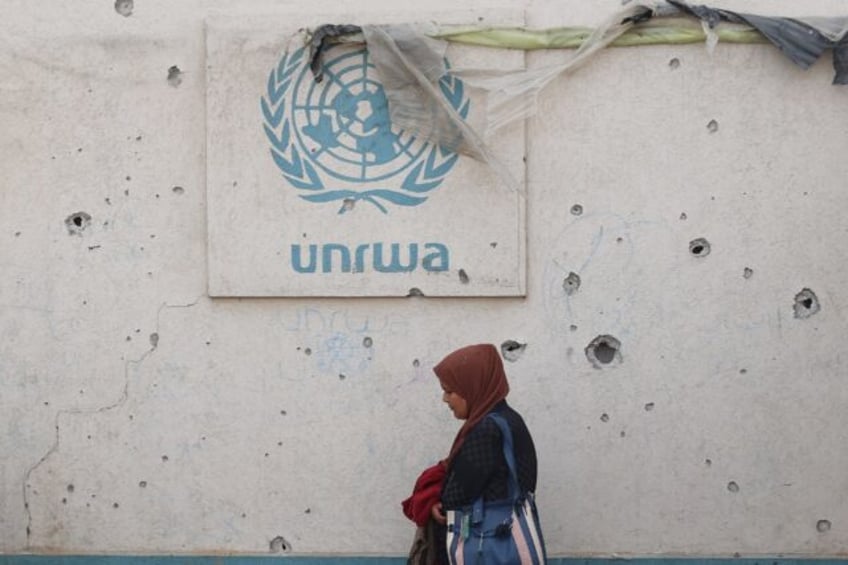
column 436, row 513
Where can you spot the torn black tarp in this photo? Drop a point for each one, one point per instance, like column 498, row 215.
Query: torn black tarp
column 840, row 61
column 799, row 41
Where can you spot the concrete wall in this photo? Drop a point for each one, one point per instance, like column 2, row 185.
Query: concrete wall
column 137, row 415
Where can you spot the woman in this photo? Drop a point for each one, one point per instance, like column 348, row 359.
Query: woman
column 475, row 389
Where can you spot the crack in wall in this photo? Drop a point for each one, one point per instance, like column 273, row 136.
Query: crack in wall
column 122, row 399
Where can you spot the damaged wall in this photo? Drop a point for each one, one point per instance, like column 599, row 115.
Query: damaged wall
column 678, row 353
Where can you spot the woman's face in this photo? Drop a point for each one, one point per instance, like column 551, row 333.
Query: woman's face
column 456, row 403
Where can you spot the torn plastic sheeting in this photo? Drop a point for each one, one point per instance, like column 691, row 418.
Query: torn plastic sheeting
column 410, row 66
column 405, row 59
column 406, row 56
column 512, row 95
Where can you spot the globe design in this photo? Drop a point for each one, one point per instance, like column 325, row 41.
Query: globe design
column 343, row 123
column 334, row 140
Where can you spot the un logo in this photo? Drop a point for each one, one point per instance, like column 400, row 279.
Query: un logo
column 334, row 140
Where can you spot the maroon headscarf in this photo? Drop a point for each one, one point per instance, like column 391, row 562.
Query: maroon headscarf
column 476, row 373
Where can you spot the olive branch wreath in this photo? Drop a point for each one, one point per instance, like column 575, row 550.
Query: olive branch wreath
column 425, row 176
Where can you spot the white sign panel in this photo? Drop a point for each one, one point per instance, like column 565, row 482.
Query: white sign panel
column 312, row 191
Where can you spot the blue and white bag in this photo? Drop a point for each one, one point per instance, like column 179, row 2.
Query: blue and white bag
column 500, row 532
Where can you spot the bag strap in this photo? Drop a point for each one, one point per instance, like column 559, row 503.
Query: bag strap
column 509, row 454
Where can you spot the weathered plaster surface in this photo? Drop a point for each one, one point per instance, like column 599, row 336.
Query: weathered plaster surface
column 139, row 415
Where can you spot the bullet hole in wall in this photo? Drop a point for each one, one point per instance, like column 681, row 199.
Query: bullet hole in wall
column 649, row 406
column 178, row 190
column 416, row 363
column 175, row 76
column 348, row 204
column 142, row 484
column 307, row 351
column 806, row 304
column 154, row 340
column 576, row 210
column 823, row 526
column 674, row 63
column 77, row 222
column 571, row 283
column 708, row 462
column 699, row 247
column 605, row 417
column 70, row 488
column 572, row 327
column 415, row 291
column 712, row 126
column 683, row 216
column 367, row 342
column 733, row 487
column 164, row 459
column 124, row 7
column 463, row 276
column 512, row 350
column 342, row 376
column 279, row 545
column 603, row 351
column 748, row 273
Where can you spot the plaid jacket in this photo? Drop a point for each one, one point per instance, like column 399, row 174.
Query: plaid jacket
column 479, row 468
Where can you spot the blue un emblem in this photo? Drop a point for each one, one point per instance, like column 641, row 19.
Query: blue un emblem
column 334, row 140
